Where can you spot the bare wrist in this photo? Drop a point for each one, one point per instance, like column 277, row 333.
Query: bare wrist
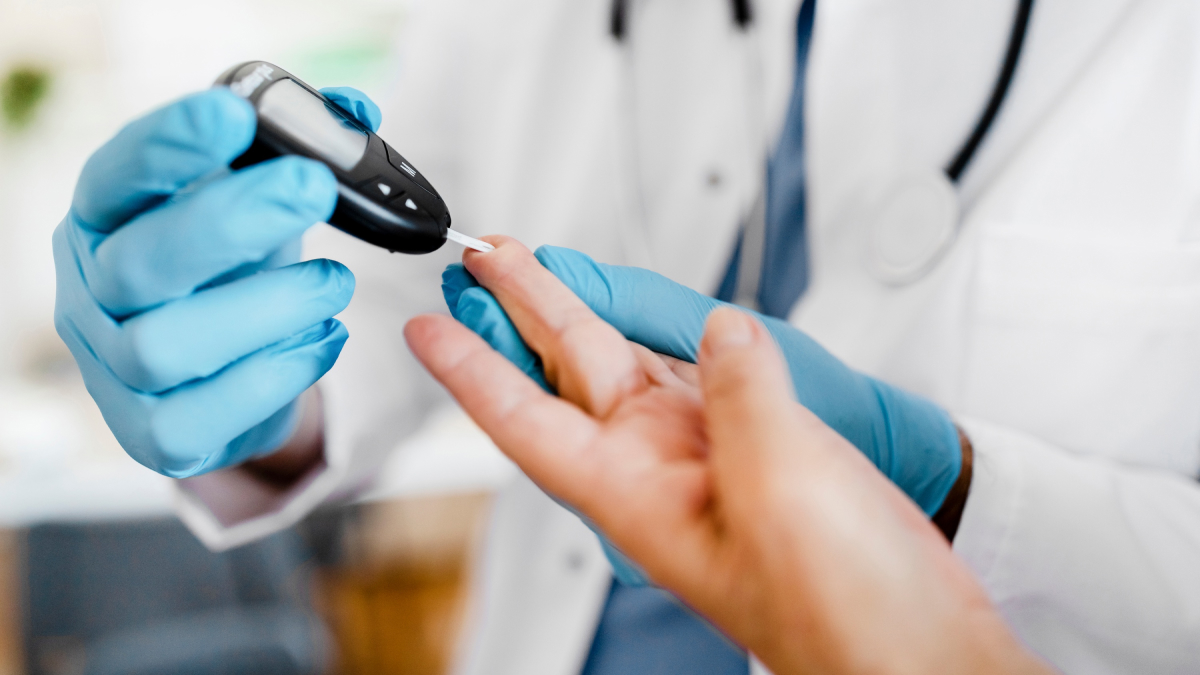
column 301, row 452
column 950, row 514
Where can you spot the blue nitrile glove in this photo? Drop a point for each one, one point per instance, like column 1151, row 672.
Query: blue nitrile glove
column 911, row 440
column 179, row 290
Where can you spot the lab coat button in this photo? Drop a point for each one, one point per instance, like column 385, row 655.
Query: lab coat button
column 575, row 560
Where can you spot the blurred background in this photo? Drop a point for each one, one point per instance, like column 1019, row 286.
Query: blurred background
column 96, row 575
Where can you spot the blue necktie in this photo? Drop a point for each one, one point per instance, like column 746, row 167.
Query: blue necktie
column 784, row 274
column 644, row 630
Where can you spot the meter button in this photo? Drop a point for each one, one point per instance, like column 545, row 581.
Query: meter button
column 407, row 204
column 407, row 169
column 380, row 188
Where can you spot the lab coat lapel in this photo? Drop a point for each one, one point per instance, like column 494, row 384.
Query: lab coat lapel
column 1064, row 40
column 699, row 107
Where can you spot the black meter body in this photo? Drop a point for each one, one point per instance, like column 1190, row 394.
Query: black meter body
column 382, row 198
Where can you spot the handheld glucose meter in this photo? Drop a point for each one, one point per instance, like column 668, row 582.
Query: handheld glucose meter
column 382, row 198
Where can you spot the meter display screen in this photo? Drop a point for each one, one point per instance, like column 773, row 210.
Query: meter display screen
column 306, row 118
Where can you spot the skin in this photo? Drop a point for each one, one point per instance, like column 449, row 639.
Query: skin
column 724, row 489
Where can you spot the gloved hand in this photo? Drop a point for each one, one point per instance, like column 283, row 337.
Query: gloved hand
column 179, row 291
column 912, row 441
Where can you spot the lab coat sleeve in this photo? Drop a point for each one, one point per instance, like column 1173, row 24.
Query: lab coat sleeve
column 1096, row 565
column 377, row 393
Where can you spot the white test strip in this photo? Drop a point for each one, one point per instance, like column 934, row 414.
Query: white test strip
column 469, row 242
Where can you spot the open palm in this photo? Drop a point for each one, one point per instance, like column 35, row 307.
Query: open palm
column 719, row 484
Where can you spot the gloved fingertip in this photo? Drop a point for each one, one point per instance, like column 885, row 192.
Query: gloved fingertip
column 239, row 109
column 357, row 104
column 224, row 121
column 339, row 281
column 455, row 280
column 334, row 332
column 336, row 335
column 477, row 309
column 328, row 331
column 324, row 342
column 310, row 186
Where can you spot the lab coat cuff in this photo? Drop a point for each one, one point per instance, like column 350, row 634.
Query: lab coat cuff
column 997, row 482
column 228, row 508
column 231, row 507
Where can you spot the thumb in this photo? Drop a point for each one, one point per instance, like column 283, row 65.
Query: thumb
column 644, row 306
column 357, row 104
column 748, row 404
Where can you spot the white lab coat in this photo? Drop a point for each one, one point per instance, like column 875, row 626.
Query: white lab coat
column 1062, row 329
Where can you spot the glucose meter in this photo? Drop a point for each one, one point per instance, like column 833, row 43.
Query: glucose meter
column 382, row 198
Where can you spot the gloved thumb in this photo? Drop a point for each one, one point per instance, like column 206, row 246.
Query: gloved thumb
column 357, row 104
column 644, row 306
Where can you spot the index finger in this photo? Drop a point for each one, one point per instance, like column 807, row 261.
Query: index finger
column 584, row 358
column 546, row 436
column 155, row 156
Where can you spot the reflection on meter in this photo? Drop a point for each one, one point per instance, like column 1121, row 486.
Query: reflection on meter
column 382, row 198
column 306, row 118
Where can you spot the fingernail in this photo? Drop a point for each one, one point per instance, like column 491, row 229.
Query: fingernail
column 730, row 328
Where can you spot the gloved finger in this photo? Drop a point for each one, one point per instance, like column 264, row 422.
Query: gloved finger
column 669, row 318
column 644, row 306
column 155, row 156
column 478, row 310
column 482, row 313
column 214, row 422
column 490, row 322
column 202, row 426
column 584, row 359
column 241, row 397
column 356, row 103
column 168, row 252
column 196, row 336
column 288, row 254
column 455, row 280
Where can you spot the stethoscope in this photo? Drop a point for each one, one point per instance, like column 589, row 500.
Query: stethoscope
column 918, row 218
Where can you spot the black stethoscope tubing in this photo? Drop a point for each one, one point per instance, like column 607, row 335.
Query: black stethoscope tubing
column 743, row 16
column 1016, row 44
column 618, row 21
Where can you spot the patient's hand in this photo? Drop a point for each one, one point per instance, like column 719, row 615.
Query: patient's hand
column 723, row 488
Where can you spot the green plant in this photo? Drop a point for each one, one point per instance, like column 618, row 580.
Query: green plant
column 21, row 90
